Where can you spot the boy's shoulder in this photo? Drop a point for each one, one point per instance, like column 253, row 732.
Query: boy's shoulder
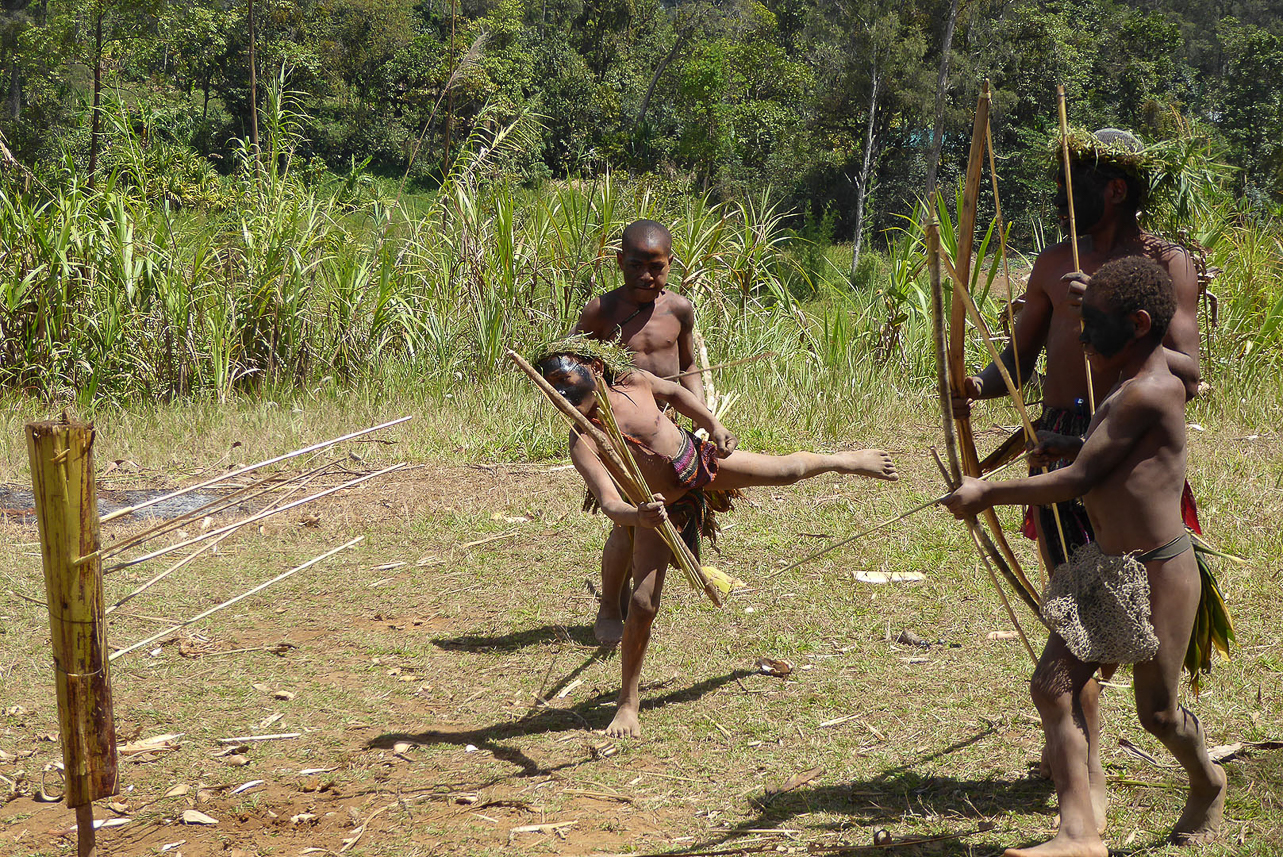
column 1155, row 393
column 677, row 304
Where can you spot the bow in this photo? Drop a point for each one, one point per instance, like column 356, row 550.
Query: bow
column 963, row 306
column 989, row 553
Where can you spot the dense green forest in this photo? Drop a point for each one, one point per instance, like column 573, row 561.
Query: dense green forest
column 825, row 101
column 426, row 182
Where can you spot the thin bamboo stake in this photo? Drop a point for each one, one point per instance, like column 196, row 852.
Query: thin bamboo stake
column 706, row 371
column 208, row 546
column 213, row 507
column 228, row 603
column 251, row 519
column 66, row 502
column 1073, row 223
column 304, row 451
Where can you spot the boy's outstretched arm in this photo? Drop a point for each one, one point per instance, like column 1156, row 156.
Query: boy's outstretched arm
column 686, row 403
column 620, row 511
column 1134, row 412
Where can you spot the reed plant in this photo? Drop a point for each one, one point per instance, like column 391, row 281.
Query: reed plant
column 168, row 281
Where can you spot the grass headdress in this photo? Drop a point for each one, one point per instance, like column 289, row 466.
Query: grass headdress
column 616, row 360
column 1177, row 174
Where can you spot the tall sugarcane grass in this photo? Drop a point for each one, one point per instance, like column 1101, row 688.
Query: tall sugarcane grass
column 152, row 288
column 119, row 293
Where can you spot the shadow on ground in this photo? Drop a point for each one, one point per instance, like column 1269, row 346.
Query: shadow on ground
column 589, row 714
column 579, row 635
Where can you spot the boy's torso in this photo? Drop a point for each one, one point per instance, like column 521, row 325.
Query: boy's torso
column 657, row 439
column 1137, row 505
column 650, row 331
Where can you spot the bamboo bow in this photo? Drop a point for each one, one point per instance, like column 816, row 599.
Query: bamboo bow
column 961, row 307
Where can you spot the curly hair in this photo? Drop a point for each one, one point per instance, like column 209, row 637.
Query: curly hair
column 1136, row 283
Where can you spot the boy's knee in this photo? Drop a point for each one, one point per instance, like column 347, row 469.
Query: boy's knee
column 1049, row 691
column 644, row 604
column 1159, row 723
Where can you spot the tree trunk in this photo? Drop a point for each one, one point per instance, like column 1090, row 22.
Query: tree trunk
column 15, row 91
column 866, row 168
column 654, row 78
column 253, row 91
column 942, row 86
column 95, row 122
column 449, row 105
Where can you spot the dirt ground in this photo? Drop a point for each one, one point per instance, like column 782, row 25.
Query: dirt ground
column 443, row 694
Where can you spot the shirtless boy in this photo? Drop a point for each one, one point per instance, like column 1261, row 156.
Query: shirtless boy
column 674, row 463
column 656, row 325
column 1129, row 470
column 1108, row 195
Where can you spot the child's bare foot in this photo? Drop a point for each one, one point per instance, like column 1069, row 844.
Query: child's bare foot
column 608, row 629
column 625, row 724
column 1062, row 846
column 1203, row 808
column 873, row 463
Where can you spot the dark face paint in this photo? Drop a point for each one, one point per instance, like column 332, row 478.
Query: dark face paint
column 1106, row 333
column 568, row 377
column 1089, row 198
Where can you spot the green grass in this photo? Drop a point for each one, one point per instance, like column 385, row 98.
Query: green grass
column 941, row 739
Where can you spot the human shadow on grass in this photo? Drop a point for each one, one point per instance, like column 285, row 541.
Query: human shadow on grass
column 591, row 714
column 887, row 797
column 579, row 635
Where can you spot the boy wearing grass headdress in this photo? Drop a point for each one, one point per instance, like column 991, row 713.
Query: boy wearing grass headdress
column 676, row 464
column 1131, row 595
column 657, row 325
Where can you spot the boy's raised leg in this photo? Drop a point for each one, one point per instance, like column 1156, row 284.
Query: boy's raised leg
column 1174, row 594
column 746, row 469
column 649, row 562
column 616, row 558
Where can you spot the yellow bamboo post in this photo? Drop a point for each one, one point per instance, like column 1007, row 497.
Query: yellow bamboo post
column 66, row 501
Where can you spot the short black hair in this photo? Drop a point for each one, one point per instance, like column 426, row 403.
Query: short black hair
column 646, row 231
column 1136, row 283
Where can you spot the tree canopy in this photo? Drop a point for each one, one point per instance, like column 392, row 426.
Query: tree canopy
column 828, row 102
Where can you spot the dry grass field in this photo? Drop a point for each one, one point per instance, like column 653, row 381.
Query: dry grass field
column 447, row 697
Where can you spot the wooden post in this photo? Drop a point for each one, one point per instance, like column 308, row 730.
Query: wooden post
column 62, row 476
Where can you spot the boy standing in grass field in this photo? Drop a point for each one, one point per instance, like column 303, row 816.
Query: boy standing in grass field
column 1130, row 596
column 656, row 324
column 676, row 464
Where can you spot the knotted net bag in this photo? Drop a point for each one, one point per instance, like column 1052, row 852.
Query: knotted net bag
column 1099, row 605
